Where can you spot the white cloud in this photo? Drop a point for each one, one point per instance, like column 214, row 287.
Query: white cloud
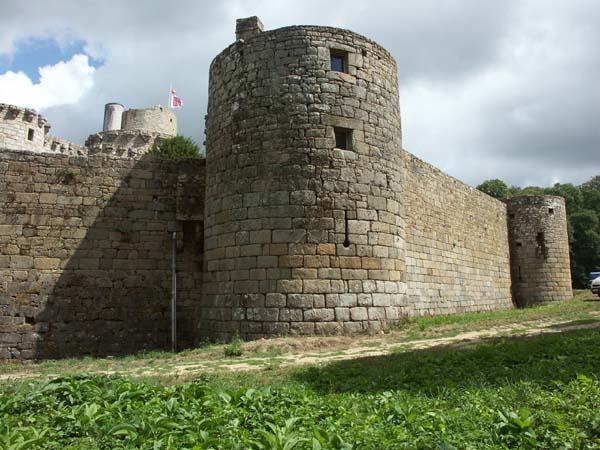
column 63, row 83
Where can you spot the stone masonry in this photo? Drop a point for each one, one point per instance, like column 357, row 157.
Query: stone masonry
column 307, row 216
column 539, row 249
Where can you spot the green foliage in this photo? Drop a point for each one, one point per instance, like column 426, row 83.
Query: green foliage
column 177, row 147
column 496, row 188
column 235, row 347
column 535, row 393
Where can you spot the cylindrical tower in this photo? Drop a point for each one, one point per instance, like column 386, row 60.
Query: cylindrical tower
column 156, row 120
column 539, row 249
column 113, row 115
column 303, row 226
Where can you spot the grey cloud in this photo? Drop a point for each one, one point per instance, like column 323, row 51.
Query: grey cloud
column 488, row 89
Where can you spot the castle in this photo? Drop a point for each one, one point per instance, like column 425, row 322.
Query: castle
column 306, row 217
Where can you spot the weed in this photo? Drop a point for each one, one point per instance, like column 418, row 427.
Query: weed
column 66, row 176
column 235, row 347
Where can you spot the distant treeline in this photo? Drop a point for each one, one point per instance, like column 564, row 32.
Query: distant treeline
column 583, row 214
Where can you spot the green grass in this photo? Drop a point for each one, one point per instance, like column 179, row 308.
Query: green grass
column 580, row 307
column 540, row 392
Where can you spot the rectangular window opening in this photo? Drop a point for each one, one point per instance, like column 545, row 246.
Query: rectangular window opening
column 550, row 210
column 519, row 244
column 30, row 134
column 339, row 61
column 343, row 138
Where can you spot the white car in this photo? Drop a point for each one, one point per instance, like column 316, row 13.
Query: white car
column 595, row 286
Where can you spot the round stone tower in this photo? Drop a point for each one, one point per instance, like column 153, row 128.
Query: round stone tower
column 303, row 226
column 156, row 120
column 539, row 249
column 113, row 116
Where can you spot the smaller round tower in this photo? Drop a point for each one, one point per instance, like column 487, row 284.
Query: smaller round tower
column 131, row 133
column 22, row 129
column 156, row 120
column 539, row 249
column 113, row 116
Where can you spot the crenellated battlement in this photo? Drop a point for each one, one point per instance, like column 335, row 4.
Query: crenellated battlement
column 22, row 128
column 130, row 135
column 122, row 143
column 58, row 145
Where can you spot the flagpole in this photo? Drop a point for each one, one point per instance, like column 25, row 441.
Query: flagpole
column 170, row 93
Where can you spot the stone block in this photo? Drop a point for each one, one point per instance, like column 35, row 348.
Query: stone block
column 11, row 230
column 342, row 314
column 326, row 249
column 46, row 263
column 319, row 315
column 317, row 286
column 302, row 328
column 274, row 300
column 288, row 236
column 359, row 313
column 304, row 273
column 289, row 286
column 376, row 313
column 303, row 198
column 21, row 262
column 300, row 301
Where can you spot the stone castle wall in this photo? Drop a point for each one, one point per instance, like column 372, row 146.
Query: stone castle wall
column 85, row 251
column 307, row 217
column 457, row 255
column 301, row 236
column 22, row 129
column 539, row 249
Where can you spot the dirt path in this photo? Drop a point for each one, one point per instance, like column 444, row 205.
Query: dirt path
column 286, row 352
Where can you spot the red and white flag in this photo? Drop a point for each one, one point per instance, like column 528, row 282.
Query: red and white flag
column 175, row 100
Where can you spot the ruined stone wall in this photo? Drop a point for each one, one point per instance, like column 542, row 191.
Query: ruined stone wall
column 129, row 144
column 457, row 255
column 22, row 129
column 539, row 249
column 157, row 119
column 301, row 236
column 54, row 144
column 85, row 251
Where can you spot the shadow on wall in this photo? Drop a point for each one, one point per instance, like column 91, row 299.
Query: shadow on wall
column 95, row 245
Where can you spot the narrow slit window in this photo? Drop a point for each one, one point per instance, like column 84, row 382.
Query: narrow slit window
column 343, row 138
column 339, row 61
column 30, row 134
column 346, row 231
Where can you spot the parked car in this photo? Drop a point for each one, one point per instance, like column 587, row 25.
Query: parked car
column 595, row 287
column 591, row 277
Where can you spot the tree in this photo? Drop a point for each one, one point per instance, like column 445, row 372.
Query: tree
column 572, row 195
column 496, row 188
column 177, row 147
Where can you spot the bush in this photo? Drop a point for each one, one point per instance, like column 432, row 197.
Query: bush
column 177, row 147
column 235, row 348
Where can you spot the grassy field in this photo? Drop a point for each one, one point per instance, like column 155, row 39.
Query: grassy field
column 540, row 391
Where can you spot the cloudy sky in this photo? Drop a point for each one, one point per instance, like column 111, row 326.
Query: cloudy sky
column 488, row 89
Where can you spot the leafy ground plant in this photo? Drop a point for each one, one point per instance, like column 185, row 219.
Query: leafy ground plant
column 537, row 393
